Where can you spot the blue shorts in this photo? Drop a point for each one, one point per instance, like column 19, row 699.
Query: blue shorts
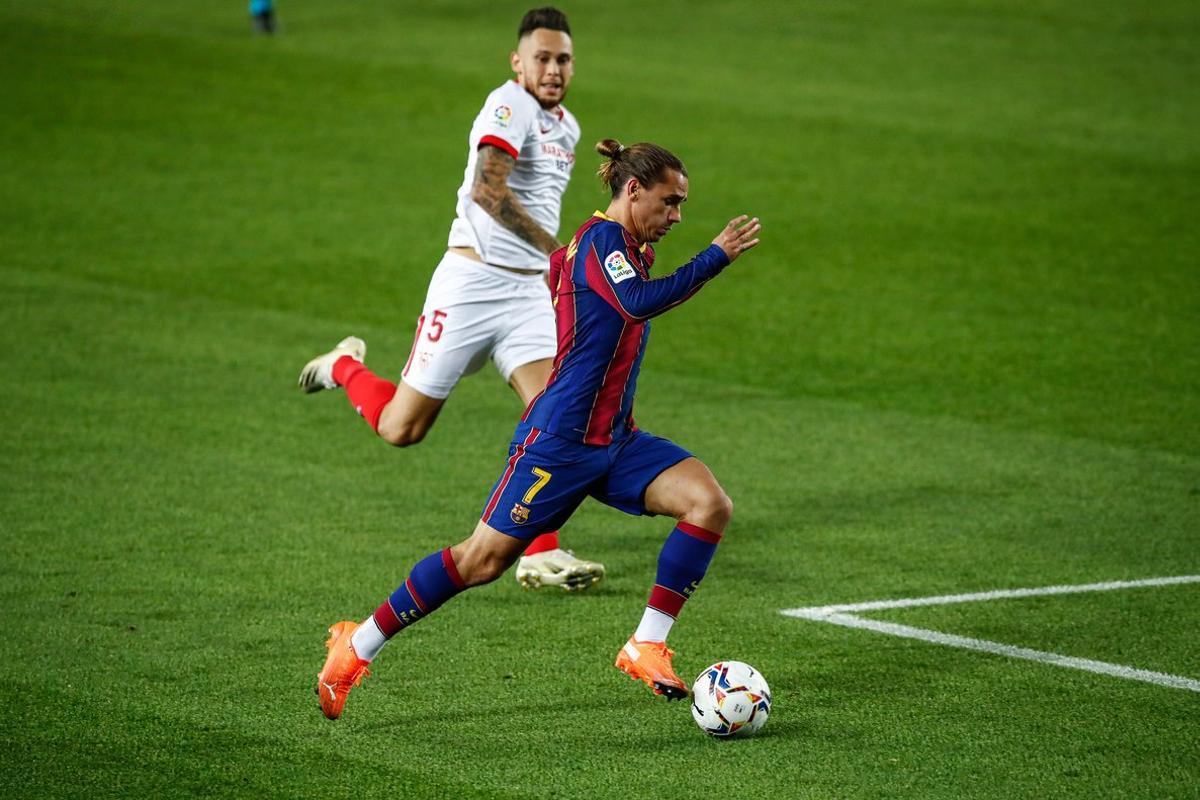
column 547, row 477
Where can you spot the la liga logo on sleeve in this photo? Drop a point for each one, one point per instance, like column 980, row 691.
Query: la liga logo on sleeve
column 618, row 267
column 502, row 115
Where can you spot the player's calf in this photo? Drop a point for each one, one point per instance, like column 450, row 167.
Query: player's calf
column 408, row 416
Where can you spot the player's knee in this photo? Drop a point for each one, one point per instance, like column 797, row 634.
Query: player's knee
column 487, row 573
column 722, row 507
column 483, row 569
column 712, row 509
column 402, row 434
column 477, row 563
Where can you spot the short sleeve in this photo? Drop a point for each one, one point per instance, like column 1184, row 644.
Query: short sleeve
column 504, row 123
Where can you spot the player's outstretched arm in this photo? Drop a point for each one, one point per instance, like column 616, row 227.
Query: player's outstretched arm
column 637, row 298
column 491, row 192
column 740, row 235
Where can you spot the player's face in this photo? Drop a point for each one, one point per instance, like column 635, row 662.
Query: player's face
column 656, row 210
column 544, row 63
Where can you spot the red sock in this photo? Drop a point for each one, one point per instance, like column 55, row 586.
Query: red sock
column 368, row 393
column 547, row 541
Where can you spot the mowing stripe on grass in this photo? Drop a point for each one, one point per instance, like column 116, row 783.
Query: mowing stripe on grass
column 838, row 615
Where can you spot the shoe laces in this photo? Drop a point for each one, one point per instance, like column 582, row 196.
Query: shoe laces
column 359, row 674
column 356, row 676
column 660, row 648
column 353, row 679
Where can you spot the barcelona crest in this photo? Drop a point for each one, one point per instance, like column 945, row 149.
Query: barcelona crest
column 519, row 514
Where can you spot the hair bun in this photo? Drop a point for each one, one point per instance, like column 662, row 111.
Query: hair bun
column 610, row 148
column 642, row 160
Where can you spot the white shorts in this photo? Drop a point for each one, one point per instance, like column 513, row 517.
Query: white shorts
column 473, row 312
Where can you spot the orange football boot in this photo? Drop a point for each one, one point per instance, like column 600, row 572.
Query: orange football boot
column 650, row 662
column 343, row 669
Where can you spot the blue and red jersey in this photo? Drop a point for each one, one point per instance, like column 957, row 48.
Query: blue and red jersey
column 604, row 298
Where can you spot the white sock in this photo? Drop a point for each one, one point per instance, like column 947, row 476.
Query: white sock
column 654, row 627
column 368, row 640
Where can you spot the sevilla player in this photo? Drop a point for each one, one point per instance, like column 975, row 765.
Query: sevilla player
column 488, row 297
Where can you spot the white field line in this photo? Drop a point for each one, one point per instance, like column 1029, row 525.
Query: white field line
column 1002, row 594
column 837, row 615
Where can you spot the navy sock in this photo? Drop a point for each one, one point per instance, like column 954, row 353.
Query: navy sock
column 682, row 562
column 432, row 582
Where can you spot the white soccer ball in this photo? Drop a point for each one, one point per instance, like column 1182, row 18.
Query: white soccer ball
column 730, row 699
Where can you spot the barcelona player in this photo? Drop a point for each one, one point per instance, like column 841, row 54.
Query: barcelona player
column 577, row 438
column 488, row 297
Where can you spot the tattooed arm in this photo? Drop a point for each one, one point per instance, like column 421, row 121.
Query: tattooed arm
column 491, row 192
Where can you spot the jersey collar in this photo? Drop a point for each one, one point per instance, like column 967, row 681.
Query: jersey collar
column 602, row 215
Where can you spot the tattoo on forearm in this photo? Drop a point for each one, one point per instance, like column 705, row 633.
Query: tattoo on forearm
column 492, row 193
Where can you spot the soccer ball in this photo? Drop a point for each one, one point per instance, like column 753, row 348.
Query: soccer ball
column 730, row 699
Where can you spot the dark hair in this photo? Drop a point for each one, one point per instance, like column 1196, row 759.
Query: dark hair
column 547, row 17
column 644, row 161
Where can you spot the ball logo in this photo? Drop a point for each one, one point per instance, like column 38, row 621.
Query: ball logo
column 619, row 269
column 502, row 114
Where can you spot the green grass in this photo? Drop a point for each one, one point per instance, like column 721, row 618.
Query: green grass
column 966, row 357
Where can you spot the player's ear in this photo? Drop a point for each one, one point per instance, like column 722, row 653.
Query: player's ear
column 633, row 188
column 514, row 59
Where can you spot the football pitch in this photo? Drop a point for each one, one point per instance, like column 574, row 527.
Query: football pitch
column 954, row 396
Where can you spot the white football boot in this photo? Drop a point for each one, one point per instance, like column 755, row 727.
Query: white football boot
column 558, row 568
column 318, row 373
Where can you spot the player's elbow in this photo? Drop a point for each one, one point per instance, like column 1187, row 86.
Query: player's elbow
column 639, row 306
column 484, row 196
column 631, row 310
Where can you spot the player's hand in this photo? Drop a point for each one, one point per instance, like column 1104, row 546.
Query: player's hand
column 738, row 236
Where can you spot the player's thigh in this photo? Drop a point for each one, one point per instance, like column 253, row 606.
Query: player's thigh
column 544, row 480
column 635, row 464
column 525, row 350
column 689, row 490
column 528, row 380
column 463, row 317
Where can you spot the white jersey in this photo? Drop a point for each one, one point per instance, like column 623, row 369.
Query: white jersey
column 543, row 143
